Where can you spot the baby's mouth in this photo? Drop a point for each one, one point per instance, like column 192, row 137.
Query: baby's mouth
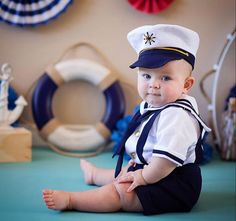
column 153, row 94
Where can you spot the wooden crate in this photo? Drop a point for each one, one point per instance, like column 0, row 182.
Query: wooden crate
column 15, row 145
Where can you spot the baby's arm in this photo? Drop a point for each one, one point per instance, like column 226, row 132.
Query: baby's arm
column 157, row 169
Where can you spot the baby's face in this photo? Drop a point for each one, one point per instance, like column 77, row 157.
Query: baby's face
column 163, row 85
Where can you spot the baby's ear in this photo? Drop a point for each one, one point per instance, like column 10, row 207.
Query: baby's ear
column 188, row 84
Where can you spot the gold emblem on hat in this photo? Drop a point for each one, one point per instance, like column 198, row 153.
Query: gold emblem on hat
column 149, row 38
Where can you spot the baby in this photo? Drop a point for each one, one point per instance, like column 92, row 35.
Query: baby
column 163, row 138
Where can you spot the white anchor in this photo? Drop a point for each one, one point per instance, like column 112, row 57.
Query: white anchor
column 7, row 117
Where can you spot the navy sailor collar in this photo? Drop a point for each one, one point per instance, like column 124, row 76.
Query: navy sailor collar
column 187, row 102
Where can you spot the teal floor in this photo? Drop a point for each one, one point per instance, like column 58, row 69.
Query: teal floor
column 21, row 185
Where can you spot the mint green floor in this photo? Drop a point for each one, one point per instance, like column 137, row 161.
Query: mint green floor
column 21, row 185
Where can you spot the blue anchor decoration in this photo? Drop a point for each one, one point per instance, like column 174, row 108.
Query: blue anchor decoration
column 7, row 117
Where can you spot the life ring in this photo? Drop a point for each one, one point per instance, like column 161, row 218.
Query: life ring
column 69, row 138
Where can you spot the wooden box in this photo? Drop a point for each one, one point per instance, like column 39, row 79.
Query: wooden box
column 15, row 145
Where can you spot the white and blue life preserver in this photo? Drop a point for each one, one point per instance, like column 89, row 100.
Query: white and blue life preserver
column 72, row 138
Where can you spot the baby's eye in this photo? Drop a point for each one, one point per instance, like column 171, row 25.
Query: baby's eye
column 165, row 78
column 147, row 76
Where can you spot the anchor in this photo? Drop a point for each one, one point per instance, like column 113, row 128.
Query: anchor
column 7, row 117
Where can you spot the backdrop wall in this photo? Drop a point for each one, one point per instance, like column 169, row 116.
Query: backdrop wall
column 105, row 24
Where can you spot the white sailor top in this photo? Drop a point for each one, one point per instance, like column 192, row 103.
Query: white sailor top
column 174, row 134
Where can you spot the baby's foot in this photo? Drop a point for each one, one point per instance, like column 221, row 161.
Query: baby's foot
column 88, row 169
column 57, row 200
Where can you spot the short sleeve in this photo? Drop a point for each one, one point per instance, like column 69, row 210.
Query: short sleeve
column 177, row 131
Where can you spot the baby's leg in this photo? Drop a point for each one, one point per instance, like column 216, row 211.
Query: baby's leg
column 95, row 175
column 102, row 199
column 108, row 198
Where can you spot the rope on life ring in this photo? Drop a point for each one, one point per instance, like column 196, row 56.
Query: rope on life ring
column 76, row 138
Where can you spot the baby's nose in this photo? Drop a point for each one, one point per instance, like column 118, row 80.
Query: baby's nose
column 155, row 84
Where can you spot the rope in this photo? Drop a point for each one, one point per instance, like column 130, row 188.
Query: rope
column 201, row 84
column 79, row 155
column 69, row 50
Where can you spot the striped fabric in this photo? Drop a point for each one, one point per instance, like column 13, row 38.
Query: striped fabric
column 31, row 12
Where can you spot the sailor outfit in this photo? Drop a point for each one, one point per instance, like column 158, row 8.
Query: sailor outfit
column 175, row 134
column 174, row 131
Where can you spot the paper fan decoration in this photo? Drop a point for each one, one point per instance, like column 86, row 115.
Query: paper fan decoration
column 31, row 12
column 150, row 6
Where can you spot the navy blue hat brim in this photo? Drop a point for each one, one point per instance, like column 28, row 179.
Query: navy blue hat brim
column 156, row 58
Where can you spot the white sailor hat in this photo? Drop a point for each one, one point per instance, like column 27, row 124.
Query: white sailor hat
column 156, row 45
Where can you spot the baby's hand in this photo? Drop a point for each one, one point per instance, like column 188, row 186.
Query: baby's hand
column 135, row 178
column 124, row 169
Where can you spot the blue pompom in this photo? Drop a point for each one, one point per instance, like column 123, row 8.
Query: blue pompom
column 119, row 131
column 207, row 153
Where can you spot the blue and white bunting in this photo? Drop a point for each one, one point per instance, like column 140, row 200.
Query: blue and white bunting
column 26, row 13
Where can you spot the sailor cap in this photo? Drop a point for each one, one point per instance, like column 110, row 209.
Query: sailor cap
column 156, row 45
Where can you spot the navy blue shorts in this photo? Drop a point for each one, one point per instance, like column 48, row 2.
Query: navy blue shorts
column 178, row 192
